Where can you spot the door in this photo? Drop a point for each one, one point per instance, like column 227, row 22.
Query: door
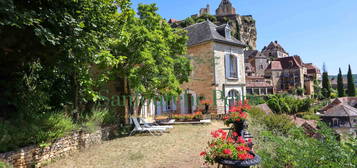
column 189, row 103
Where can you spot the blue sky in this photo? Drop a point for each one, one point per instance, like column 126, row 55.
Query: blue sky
column 317, row 30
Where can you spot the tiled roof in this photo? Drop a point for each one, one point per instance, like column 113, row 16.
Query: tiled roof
column 275, row 65
column 254, row 54
column 290, row 62
column 207, row 31
column 274, row 46
column 345, row 106
column 311, row 68
column 259, row 84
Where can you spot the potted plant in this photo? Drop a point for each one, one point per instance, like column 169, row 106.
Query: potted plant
column 228, row 152
column 237, row 116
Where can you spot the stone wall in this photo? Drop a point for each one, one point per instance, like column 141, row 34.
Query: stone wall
column 36, row 156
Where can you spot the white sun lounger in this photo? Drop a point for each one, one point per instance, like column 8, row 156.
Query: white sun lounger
column 154, row 125
column 138, row 128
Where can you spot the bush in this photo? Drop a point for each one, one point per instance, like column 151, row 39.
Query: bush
column 256, row 100
column 4, row 165
column 284, row 104
column 97, row 118
column 294, row 148
column 34, row 130
column 278, row 123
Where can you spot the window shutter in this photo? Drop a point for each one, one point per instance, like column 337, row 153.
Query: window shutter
column 237, row 63
column 227, row 66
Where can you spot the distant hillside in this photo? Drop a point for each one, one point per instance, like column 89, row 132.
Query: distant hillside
column 345, row 77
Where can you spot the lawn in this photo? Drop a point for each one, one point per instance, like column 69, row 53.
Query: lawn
column 179, row 148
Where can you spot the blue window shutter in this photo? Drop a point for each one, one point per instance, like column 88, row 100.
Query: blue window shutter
column 227, row 66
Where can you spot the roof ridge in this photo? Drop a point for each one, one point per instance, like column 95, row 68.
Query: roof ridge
column 195, row 24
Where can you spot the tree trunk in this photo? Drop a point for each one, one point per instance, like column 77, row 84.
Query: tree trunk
column 141, row 103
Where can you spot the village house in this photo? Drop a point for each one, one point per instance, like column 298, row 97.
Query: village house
column 218, row 65
column 274, row 68
column 341, row 114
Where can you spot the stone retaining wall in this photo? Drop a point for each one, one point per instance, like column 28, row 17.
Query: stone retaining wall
column 35, row 156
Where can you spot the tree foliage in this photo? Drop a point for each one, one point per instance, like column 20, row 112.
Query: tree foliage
column 340, row 87
column 326, row 85
column 155, row 55
column 351, row 89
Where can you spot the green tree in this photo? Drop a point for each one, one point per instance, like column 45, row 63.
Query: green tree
column 326, row 86
column 155, row 57
column 340, row 89
column 48, row 49
column 351, row 89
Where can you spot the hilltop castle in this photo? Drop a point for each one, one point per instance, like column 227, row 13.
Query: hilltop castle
column 243, row 26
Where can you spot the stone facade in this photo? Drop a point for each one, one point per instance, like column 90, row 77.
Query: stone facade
column 276, row 67
column 36, row 156
column 202, row 76
column 218, row 68
column 225, row 8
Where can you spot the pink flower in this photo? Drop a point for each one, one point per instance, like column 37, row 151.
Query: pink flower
column 227, row 151
column 250, row 140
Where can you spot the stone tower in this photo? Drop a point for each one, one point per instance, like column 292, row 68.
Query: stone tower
column 225, row 8
column 204, row 11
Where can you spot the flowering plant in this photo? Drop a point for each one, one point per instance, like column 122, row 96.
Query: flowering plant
column 237, row 113
column 197, row 116
column 223, row 147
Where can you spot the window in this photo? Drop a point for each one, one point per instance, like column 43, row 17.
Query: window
column 228, row 33
column 231, row 66
column 233, row 96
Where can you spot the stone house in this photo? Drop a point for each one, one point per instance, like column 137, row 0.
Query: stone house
column 341, row 114
column 290, row 72
column 218, row 68
column 274, row 50
column 259, row 85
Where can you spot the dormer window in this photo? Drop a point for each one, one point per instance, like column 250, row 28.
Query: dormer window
column 228, row 32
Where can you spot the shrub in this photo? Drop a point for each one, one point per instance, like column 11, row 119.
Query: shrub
column 97, row 118
column 36, row 129
column 283, row 104
column 278, row 123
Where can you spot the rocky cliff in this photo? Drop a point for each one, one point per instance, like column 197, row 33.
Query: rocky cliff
column 244, row 28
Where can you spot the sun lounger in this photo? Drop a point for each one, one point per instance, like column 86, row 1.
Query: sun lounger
column 138, row 128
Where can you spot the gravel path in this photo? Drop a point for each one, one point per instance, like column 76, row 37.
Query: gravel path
column 178, row 149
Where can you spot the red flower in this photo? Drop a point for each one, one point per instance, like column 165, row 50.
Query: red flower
column 203, row 153
column 241, row 140
column 212, row 145
column 215, row 134
column 230, row 140
column 235, row 134
column 250, row 140
column 225, row 118
column 227, row 151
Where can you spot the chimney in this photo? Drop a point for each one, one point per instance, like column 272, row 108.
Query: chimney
column 276, row 41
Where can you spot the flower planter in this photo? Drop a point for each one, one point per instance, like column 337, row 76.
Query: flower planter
column 239, row 163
